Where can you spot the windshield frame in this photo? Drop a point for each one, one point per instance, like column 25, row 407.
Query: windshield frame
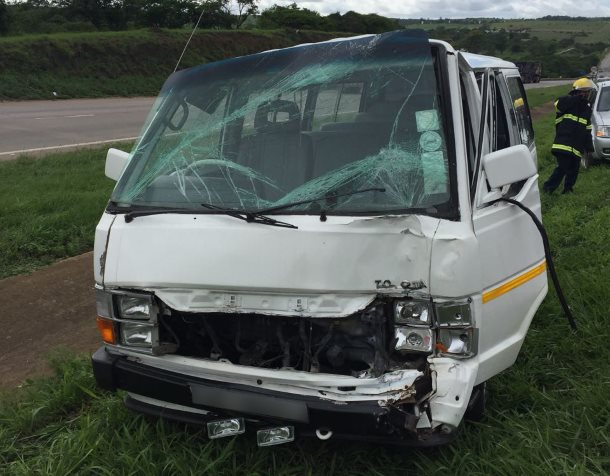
column 447, row 210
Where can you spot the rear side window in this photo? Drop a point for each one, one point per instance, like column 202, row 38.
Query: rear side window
column 337, row 103
column 521, row 108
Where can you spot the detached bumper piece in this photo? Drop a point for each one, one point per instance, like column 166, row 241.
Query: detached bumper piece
column 277, row 417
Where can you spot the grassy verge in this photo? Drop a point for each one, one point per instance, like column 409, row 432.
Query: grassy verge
column 50, row 207
column 538, row 97
column 548, row 414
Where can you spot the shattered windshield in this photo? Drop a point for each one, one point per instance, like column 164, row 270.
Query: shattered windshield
column 306, row 123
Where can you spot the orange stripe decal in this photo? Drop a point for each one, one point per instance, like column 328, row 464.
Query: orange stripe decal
column 515, row 282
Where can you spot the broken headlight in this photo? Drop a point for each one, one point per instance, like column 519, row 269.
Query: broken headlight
column 457, row 342
column 413, row 339
column 457, row 335
column 412, row 331
column 412, row 313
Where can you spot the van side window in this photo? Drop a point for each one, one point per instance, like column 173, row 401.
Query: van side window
column 500, row 127
column 337, row 103
column 298, row 97
column 522, row 110
column 470, row 141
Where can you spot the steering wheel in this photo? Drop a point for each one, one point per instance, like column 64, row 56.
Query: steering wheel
column 230, row 166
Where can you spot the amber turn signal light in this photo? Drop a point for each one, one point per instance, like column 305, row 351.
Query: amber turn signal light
column 106, row 328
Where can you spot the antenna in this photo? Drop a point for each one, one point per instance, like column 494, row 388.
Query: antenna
column 189, row 40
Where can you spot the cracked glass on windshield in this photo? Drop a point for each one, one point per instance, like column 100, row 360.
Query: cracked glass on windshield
column 308, row 122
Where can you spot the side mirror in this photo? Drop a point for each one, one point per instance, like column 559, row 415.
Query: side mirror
column 509, row 165
column 116, row 161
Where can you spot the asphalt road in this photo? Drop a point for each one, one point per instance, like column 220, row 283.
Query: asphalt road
column 548, row 84
column 40, row 126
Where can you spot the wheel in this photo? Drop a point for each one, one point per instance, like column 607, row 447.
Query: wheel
column 586, row 161
column 476, row 406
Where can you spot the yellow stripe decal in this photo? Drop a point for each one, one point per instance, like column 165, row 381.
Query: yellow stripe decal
column 515, row 282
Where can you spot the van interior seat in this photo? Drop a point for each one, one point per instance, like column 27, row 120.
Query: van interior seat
column 275, row 149
column 339, row 144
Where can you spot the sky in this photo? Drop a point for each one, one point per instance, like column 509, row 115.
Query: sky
column 456, row 8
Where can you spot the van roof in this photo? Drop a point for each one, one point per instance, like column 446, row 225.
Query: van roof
column 482, row 61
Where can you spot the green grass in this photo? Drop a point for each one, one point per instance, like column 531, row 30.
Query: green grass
column 50, row 207
column 540, row 96
column 547, row 415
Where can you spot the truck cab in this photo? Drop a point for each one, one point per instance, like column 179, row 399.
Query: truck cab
column 311, row 241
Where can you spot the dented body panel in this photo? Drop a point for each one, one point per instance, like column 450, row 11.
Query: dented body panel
column 271, row 259
column 314, row 244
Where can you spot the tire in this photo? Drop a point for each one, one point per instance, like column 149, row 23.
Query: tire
column 476, row 406
column 586, row 161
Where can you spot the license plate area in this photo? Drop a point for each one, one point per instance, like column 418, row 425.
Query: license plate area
column 249, row 403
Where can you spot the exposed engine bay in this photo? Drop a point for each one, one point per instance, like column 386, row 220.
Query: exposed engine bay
column 360, row 345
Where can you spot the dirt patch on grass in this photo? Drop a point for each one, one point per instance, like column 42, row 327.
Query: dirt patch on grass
column 540, row 111
column 39, row 312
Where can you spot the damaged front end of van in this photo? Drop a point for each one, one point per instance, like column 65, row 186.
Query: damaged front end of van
column 390, row 365
column 286, row 251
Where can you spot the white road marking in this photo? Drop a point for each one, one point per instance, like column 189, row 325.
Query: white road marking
column 64, row 117
column 58, row 147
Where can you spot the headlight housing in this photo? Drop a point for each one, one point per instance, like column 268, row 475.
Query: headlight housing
column 412, row 326
column 137, row 334
column 134, row 319
column 134, row 306
column 602, row 131
column 413, row 339
column 445, row 326
column 457, row 334
column 412, row 313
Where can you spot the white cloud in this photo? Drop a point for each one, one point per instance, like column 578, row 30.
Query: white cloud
column 456, row 8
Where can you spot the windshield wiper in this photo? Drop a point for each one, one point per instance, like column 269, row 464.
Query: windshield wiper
column 250, row 217
column 331, row 196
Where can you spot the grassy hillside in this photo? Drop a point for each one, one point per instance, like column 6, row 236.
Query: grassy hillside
column 128, row 63
column 582, row 31
column 137, row 62
column 565, row 48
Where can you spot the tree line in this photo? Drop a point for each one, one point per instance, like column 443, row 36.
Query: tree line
column 52, row 16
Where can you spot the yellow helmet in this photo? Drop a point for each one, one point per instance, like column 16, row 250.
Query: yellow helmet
column 583, row 84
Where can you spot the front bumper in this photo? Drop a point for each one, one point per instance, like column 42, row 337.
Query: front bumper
column 195, row 400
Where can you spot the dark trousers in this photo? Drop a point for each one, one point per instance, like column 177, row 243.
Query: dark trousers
column 567, row 166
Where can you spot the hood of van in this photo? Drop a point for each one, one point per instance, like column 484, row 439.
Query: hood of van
column 217, row 263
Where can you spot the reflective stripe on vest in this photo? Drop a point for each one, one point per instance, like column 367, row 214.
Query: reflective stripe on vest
column 566, row 148
column 572, row 117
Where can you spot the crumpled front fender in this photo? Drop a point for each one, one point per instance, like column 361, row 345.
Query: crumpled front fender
column 454, row 381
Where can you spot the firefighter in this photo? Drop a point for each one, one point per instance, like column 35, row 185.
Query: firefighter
column 572, row 135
